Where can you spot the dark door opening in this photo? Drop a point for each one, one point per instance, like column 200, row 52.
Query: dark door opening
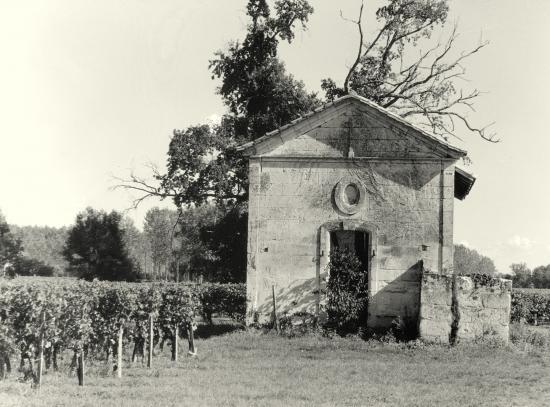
column 354, row 240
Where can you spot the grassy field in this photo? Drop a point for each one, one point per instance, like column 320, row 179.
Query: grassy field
column 256, row 369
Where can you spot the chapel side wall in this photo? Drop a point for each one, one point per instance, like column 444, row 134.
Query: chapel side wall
column 409, row 203
column 252, row 270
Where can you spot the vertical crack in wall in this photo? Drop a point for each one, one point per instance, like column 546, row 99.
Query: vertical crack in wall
column 455, row 312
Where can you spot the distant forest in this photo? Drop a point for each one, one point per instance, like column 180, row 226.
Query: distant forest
column 201, row 244
column 43, row 243
column 204, row 249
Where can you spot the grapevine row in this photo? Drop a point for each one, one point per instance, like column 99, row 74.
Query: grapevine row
column 89, row 317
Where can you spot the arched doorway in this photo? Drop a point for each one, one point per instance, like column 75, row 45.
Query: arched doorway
column 356, row 235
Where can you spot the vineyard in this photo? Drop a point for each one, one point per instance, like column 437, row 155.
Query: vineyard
column 40, row 320
column 531, row 306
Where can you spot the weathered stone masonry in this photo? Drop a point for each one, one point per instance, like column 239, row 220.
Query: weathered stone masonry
column 351, row 167
column 482, row 309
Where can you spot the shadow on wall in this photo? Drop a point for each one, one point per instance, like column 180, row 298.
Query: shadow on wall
column 395, row 300
column 301, row 296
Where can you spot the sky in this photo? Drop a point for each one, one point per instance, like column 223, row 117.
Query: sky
column 92, row 89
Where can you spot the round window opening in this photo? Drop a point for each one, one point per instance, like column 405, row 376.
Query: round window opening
column 351, row 193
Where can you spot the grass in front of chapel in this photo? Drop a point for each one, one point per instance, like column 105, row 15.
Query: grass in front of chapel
column 249, row 368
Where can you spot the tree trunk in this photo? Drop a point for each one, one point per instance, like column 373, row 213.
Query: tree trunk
column 3, row 369
column 8, row 363
column 109, row 357
column 31, row 367
column 74, row 361
column 48, row 357
column 191, row 338
column 55, row 351
column 136, row 350
column 5, row 365
column 80, row 369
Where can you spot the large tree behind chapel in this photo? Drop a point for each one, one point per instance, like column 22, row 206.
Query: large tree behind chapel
column 203, row 164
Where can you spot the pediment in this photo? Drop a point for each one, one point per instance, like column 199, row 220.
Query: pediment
column 352, row 127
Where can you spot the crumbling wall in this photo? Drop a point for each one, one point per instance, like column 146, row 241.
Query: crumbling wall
column 481, row 307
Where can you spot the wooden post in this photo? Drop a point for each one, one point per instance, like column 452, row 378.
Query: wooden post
column 38, row 377
column 80, row 368
column 119, row 352
column 7, row 363
column 40, row 362
column 2, row 369
column 275, row 319
column 191, row 338
column 150, row 353
column 175, row 344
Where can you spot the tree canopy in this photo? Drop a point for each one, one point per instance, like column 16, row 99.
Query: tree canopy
column 260, row 95
column 14, row 257
column 43, row 243
column 524, row 277
column 390, row 69
column 158, row 228
column 10, row 246
column 95, row 247
column 469, row 261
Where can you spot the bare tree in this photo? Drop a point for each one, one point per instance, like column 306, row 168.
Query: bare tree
column 421, row 86
column 146, row 188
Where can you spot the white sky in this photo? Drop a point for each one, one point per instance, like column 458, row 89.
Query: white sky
column 91, row 88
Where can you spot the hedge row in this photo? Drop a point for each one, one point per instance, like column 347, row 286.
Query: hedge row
column 531, row 306
column 88, row 315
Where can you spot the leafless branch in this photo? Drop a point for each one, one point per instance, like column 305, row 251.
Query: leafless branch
column 425, row 87
column 141, row 185
column 359, row 52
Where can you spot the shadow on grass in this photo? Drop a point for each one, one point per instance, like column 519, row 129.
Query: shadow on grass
column 219, row 327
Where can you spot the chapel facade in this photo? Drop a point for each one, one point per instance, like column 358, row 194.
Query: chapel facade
column 351, row 174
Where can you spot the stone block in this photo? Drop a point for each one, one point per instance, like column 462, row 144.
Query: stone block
column 434, row 331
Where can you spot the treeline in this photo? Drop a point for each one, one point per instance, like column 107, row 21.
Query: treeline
column 44, row 244
column 13, row 259
column 207, row 243
column 469, row 261
column 524, row 277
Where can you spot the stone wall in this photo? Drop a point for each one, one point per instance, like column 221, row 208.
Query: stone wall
column 481, row 308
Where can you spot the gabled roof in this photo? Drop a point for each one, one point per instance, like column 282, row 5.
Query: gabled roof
column 277, row 137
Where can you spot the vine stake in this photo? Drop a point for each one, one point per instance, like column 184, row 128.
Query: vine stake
column 80, row 368
column 119, row 352
column 150, row 354
column 38, row 377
